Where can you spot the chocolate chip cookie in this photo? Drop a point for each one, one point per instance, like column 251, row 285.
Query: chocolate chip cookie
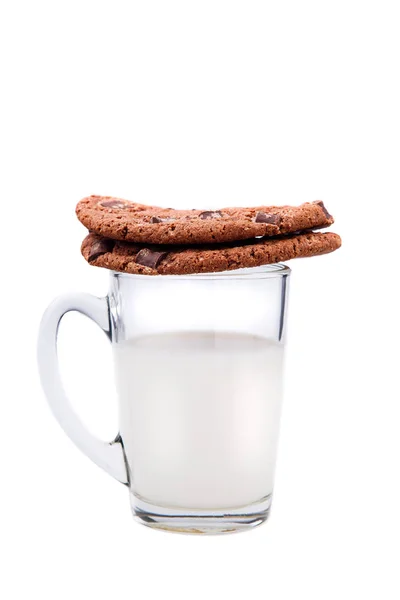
column 176, row 260
column 128, row 221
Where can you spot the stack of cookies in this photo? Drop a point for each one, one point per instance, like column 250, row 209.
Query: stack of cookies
column 148, row 240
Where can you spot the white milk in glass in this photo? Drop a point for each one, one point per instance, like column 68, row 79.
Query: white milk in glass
column 200, row 417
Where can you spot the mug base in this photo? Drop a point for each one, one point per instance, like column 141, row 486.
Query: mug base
column 201, row 521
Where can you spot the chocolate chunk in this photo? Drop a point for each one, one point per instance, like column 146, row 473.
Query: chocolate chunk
column 161, row 220
column 322, row 205
column 210, row 214
column 149, row 258
column 262, row 217
column 99, row 248
column 112, row 204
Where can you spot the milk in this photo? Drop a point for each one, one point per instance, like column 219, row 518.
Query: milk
column 199, row 417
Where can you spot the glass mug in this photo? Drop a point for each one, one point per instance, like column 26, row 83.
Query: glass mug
column 198, row 365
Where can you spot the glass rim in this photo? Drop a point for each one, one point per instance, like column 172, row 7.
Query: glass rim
column 262, row 272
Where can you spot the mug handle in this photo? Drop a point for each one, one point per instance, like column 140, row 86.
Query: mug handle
column 107, row 455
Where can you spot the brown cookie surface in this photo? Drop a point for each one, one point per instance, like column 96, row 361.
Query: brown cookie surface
column 128, row 221
column 172, row 260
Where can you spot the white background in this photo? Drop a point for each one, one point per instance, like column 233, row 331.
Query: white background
column 204, row 104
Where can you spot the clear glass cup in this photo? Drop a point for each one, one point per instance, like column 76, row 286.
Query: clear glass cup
column 198, row 364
